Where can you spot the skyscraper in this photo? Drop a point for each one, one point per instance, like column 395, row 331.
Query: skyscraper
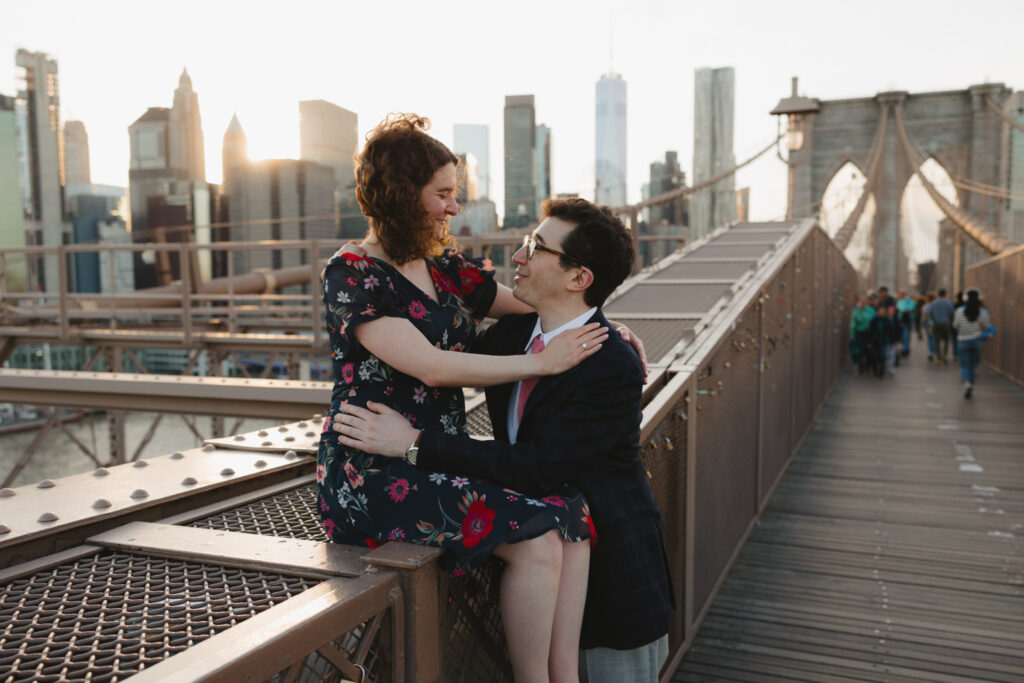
column 520, row 161
column 44, row 159
column 280, row 199
column 76, row 154
column 12, row 229
column 234, row 152
column 712, row 149
column 543, row 164
column 610, row 141
column 475, row 139
column 185, row 133
column 150, row 171
column 328, row 135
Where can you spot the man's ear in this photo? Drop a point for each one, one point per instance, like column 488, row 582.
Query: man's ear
column 583, row 278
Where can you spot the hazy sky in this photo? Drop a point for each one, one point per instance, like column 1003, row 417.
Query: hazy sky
column 455, row 61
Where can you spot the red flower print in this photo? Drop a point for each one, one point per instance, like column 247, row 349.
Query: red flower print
column 444, row 283
column 554, row 500
column 388, row 389
column 373, row 543
column 370, row 281
column 513, row 524
column 398, row 490
column 417, row 310
column 458, row 347
column 328, row 526
column 470, row 277
column 593, row 530
column 419, row 394
column 321, row 474
column 351, row 282
column 458, row 572
column 348, row 373
column 354, row 478
column 477, row 523
column 397, row 534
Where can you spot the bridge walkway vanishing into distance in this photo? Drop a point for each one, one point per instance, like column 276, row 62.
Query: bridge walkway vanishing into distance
column 892, row 548
column 210, row 562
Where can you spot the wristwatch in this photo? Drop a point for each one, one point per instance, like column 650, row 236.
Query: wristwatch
column 412, row 451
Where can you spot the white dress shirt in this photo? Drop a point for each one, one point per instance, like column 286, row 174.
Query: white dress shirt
column 578, row 321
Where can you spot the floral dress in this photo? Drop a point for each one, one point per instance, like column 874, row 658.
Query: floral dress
column 368, row 499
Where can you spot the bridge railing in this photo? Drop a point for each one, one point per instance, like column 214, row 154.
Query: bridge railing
column 717, row 439
column 1001, row 283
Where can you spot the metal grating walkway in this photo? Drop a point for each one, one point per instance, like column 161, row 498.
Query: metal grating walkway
column 892, row 549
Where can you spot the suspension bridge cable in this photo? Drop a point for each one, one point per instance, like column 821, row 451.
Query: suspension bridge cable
column 845, row 233
column 1006, row 117
column 987, row 237
column 685, row 191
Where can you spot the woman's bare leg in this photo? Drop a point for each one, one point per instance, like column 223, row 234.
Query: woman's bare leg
column 529, row 592
column 563, row 663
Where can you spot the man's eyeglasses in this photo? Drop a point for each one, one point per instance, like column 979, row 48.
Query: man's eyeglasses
column 533, row 246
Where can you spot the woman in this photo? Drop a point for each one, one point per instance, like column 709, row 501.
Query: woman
column 398, row 318
column 970, row 321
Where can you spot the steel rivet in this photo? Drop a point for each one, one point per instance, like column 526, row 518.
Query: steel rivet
column 4, row 529
column 177, row 455
column 189, row 481
column 262, row 432
column 239, row 437
column 291, row 455
column 227, row 472
column 267, row 443
column 310, row 434
column 6, row 493
column 45, row 484
column 48, row 517
column 140, row 493
column 260, row 463
column 101, row 503
column 141, row 463
column 302, row 425
column 100, row 472
column 289, row 438
column 209, row 447
column 282, row 429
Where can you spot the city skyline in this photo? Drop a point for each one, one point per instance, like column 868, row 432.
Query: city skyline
column 657, row 47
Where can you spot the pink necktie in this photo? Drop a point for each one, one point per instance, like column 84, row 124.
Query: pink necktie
column 527, row 385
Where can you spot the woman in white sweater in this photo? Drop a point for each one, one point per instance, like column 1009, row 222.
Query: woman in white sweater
column 970, row 321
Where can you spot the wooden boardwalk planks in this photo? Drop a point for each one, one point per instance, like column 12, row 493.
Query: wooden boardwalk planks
column 893, row 548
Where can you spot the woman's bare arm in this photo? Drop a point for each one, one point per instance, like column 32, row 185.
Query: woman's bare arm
column 399, row 344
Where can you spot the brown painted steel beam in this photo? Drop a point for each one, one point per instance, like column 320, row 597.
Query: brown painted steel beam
column 226, row 396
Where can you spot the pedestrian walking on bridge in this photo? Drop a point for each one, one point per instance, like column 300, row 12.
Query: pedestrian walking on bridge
column 971, row 323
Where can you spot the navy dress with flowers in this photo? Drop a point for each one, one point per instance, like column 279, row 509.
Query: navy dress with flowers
column 368, row 499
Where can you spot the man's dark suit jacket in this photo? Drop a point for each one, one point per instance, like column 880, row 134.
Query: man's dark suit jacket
column 581, row 427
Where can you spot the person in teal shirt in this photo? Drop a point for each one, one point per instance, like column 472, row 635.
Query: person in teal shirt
column 905, row 307
column 859, row 322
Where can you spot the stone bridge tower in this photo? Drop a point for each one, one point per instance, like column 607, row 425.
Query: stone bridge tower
column 957, row 128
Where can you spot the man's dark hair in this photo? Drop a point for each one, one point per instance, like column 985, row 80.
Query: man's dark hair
column 942, row 292
column 599, row 240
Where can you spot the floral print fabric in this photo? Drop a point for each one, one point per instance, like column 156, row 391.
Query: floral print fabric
column 366, row 499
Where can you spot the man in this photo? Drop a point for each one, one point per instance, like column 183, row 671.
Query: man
column 941, row 313
column 581, row 427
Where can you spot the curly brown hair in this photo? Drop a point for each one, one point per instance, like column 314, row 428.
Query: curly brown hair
column 398, row 160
